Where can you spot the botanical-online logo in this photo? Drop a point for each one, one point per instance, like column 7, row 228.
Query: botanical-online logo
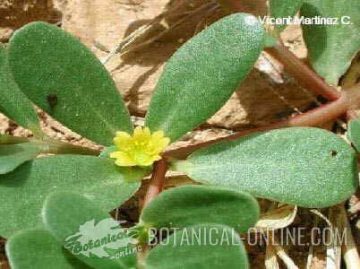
column 104, row 239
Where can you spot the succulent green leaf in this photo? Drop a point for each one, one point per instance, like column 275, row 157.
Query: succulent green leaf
column 39, row 249
column 308, row 167
column 218, row 247
column 192, row 205
column 60, row 75
column 75, row 221
column 354, row 133
column 332, row 47
column 284, row 9
column 22, row 192
column 14, row 155
column 13, row 102
column 201, row 76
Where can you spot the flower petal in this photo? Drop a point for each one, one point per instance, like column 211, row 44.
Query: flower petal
column 122, row 140
column 150, row 160
column 161, row 144
column 141, row 135
column 122, row 159
column 158, row 135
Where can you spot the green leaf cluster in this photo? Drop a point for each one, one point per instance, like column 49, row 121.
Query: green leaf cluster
column 47, row 199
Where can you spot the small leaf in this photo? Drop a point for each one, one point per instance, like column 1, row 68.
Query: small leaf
column 308, row 167
column 332, row 47
column 65, row 79
column 354, row 133
column 217, row 247
column 67, row 216
column 13, row 102
column 284, row 9
column 39, row 249
column 201, row 76
column 191, row 205
column 14, row 155
column 22, row 192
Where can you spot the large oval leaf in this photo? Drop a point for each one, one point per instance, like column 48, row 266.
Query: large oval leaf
column 199, row 247
column 201, row 76
column 191, row 205
column 13, row 102
column 76, row 222
column 23, row 191
column 39, row 249
column 308, row 167
column 332, row 47
column 13, row 155
column 64, row 78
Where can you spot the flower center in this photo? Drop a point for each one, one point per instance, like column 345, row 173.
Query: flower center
column 142, row 148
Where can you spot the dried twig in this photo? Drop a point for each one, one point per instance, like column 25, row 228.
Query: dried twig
column 271, row 261
column 311, row 248
column 280, row 252
column 128, row 45
column 350, row 253
column 126, row 41
column 209, row 7
column 333, row 250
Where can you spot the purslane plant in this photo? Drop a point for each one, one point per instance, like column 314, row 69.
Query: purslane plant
column 45, row 200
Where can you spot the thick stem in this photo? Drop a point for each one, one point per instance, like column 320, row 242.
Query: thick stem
column 306, row 77
column 155, row 188
column 156, row 182
column 349, row 99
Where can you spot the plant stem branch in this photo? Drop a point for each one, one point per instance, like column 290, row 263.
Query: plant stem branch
column 306, row 77
column 155, row 188
column 348, row 100
column 156, row 182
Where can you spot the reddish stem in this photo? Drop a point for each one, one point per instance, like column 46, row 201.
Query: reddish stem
column 348, row 100
column 306, row 77
column 255, row 7
column 156, row 182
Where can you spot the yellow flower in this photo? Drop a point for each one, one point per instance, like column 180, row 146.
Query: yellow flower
column 143, row 148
